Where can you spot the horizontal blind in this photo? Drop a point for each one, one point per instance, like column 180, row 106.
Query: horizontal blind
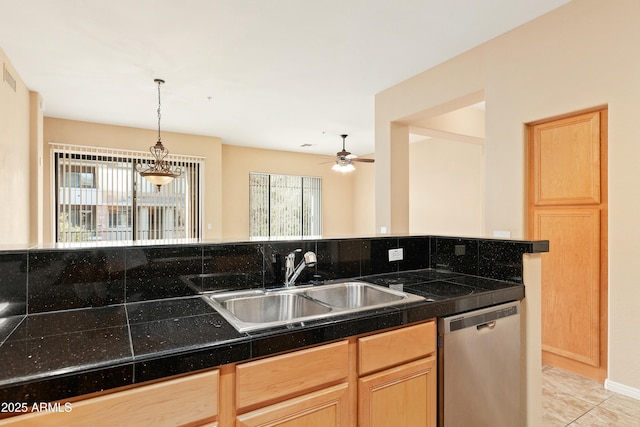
column 101, row 196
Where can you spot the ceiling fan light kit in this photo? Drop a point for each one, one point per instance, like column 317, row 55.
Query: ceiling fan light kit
column 344, row 159
column 160, row 172
column 343, row 166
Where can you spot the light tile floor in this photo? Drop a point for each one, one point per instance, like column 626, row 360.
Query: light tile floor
column 573, row 401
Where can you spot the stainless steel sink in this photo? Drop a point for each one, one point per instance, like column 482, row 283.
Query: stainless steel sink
column 274, row 308
column 353, row 295
column 260, row 309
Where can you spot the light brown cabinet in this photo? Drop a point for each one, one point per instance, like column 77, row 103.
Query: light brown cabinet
column 303, row 388
column 401, row 396
column 398, row 379
column 191, row 400
column 382, row 379
column 326, row 407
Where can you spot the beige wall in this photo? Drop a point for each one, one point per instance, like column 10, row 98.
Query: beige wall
column 364, row 199
column 226, row 174
column 14, row 158
column 446, row 185
column 36, row 188
column 466, row 124
column 337, row 188
column 100, row 135
column 579, row 56
column 446, row 173
column 530, row 339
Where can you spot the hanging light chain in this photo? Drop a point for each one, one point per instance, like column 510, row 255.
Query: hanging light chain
column 159, row 81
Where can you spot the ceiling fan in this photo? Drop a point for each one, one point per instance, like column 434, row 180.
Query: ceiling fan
column 344, row 159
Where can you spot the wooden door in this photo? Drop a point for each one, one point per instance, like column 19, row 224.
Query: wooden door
column 568, row 207
column 404, row 396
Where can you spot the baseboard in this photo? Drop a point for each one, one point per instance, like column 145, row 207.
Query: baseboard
column 622, row 389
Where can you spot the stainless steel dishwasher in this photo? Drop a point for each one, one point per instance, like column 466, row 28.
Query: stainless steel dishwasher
column 479, row 368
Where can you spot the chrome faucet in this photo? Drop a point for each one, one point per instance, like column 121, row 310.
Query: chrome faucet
column 292, row 271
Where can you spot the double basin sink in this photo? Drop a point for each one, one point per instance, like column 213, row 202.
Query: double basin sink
column 254, row 309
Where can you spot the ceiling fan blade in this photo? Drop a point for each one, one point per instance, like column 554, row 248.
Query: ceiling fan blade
column 358, row 159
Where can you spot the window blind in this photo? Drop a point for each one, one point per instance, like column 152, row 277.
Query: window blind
column 283, row 206
column 100, row 196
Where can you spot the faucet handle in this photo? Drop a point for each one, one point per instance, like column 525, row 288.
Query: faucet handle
column 290, row 261
column 310, row 259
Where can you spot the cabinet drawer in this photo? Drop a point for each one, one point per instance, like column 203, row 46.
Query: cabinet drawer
column 392, row 348
column 290, row 374
column 187, row 400
column 326, row 407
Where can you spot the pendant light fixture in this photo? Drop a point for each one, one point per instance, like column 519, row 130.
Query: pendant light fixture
column 160, row 172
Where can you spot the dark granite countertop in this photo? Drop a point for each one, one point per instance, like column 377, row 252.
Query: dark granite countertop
column 58, row 355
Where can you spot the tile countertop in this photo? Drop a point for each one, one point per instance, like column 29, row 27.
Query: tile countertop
column 59, row 355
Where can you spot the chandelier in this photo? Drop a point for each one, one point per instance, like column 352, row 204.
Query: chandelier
column 159, row 172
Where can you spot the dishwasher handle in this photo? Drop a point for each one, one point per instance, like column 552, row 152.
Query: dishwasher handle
column 488, row 325
column 484, row 319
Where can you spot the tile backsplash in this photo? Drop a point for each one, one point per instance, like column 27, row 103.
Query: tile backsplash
column 67, row 279
column 13, row 283
column 38, row 280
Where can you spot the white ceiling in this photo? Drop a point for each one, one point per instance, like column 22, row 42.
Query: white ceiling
column 263, row 73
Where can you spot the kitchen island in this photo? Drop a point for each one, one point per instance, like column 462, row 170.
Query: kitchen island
column 103, row 318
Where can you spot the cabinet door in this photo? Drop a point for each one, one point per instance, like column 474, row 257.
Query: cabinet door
column 324, row 408
column 191, row 400
column 404, row 396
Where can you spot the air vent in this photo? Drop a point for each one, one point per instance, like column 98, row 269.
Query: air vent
column 7, row 77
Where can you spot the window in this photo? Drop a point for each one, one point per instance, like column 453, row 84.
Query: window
column 284, row 206
column 100, row 196
column 79, row 177
column 120, row 216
